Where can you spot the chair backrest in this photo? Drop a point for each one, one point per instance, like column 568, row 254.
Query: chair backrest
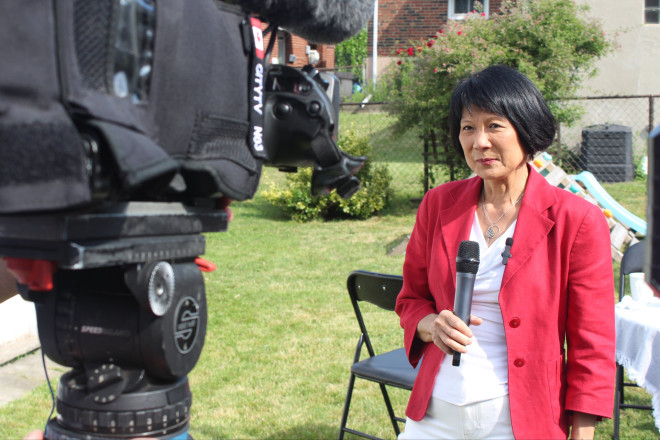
column 632, row 261
column 376, row 288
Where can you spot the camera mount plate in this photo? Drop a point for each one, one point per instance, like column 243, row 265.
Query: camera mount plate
column 133, row 232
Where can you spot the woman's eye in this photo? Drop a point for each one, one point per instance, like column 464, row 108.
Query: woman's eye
column 466, row 128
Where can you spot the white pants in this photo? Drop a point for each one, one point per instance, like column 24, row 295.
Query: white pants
column 490, row 419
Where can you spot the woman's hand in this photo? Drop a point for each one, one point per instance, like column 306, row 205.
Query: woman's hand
column 37, row 434
column 447, row 331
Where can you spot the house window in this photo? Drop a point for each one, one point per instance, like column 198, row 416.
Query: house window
column 652, row 11
column 458, row 9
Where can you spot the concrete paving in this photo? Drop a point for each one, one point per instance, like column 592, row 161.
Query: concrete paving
column 22, row 375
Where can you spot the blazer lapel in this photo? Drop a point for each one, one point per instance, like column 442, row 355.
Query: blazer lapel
column 456, row 220
column 533, row 225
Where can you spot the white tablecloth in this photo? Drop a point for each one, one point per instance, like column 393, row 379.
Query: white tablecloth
column 638, row 346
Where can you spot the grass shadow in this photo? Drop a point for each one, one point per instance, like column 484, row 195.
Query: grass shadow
column 259, row 208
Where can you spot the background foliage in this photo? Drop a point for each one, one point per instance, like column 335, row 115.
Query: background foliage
column 550, row 41
column 294, row 197
column 353, row 53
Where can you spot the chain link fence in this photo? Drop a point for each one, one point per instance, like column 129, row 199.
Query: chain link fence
column 609, row 140
column 402, row 153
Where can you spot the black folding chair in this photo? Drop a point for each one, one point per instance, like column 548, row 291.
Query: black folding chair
column 632, row 261
column 391, row 368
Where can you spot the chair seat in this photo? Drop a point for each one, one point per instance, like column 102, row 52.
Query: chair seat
column 391, row 368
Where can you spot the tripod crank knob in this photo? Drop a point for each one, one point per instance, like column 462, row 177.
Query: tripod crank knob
column 153, row 285
column 161, row 288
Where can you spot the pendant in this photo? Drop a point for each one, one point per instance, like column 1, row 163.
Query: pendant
column 490, row 232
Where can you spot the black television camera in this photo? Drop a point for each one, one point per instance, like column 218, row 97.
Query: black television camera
column 125, row 128
column 652, row 248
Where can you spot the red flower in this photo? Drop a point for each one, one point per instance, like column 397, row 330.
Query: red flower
column 441, row 31
column 460, row 32
column 411, row 51
column 419, row 48
column 483, row 14
column 398, row 51
column 435, row 70
column 399, row 62
column 430, row 43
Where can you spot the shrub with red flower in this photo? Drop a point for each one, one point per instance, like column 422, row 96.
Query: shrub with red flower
column 550, row 41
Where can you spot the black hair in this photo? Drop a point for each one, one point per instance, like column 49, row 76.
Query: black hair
column 505, row 92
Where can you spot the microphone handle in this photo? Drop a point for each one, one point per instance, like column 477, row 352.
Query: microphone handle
column 463, row 303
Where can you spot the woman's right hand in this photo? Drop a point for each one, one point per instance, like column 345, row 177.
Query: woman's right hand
column 447, row 331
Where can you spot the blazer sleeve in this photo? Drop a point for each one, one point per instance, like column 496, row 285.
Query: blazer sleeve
column 590, row 335
column 415, row 300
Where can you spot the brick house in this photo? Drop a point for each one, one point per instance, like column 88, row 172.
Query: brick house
column 400, row 21
column 633, row 69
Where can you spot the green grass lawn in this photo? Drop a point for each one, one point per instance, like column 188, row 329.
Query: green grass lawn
column 282, row 332
column 632, row 195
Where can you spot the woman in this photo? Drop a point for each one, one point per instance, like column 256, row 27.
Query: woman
column 539, row 355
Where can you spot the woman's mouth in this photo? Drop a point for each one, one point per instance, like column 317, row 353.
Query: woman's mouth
column 486, row 161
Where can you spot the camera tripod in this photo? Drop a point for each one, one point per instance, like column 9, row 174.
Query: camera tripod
column 120, row 298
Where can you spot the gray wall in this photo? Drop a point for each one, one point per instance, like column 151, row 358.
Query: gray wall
column 633, row 68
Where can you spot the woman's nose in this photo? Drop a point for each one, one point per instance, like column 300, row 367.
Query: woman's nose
column 481, row 139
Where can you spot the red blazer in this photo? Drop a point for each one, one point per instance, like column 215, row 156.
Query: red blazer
column 557, row 287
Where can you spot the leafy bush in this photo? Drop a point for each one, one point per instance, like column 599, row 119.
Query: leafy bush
column 550, row 41
column 297, row 201
column 353, row 53
column 641, row 167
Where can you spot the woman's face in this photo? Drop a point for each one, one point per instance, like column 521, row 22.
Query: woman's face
column 491, row 145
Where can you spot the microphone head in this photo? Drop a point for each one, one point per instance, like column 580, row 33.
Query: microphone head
column 467, row 260
column 319, row 21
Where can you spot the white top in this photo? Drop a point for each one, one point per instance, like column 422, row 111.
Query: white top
column 483, row 372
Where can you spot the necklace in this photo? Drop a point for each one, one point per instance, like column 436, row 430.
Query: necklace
column 490, row 230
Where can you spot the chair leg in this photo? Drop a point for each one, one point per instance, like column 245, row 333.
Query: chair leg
column 619, row 381
column 347, row 404
column 390, row 411
column 618, row 400
column 617, row 409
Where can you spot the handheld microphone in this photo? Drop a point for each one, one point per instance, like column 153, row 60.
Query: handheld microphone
column 467, row 264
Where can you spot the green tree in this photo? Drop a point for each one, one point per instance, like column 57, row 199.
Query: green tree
column 553, row 42
column 353, row 52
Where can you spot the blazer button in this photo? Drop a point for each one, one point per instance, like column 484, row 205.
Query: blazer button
column 519, row 362
column 515, row 322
